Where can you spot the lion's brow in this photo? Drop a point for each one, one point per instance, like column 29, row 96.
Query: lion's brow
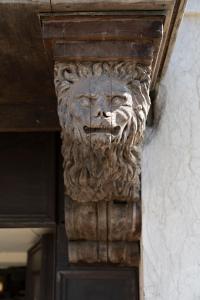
column 87, row 95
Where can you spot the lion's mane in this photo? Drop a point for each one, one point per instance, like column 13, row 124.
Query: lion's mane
column 91, row 174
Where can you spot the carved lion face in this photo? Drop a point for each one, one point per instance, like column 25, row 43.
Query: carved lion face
column 102, row 103
column 100, row 109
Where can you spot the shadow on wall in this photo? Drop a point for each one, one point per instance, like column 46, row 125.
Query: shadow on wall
column 158, row 106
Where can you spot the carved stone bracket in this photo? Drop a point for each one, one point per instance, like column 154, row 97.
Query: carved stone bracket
column 102, row 80
column 102, row 107
column 103, row 232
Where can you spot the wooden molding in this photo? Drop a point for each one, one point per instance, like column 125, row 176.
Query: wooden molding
column 103, row 37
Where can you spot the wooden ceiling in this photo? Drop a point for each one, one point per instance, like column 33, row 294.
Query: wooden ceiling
column 27, row 97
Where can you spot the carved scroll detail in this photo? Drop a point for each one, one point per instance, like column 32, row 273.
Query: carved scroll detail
column 102, row 108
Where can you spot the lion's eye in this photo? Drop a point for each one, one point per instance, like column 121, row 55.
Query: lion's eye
column 85, row 101
column 118, row 100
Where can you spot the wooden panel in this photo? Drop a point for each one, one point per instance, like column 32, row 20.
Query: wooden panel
column 92, row 280
column 27, row 176
column 25, row 75
column 29, row 117
column 107, row 284
column 103, row 28
column 103, row 50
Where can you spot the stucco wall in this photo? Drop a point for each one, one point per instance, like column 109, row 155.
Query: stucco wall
column 171, row 176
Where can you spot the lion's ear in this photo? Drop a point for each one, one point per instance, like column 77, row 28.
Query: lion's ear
column 63, row 114
column 141, row 112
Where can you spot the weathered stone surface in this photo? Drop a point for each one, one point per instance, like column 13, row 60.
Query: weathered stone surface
column 102, row 107
column 122, row 253
column 97, row 221
column 103, row 232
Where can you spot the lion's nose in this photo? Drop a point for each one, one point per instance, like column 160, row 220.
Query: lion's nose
column 104, row 114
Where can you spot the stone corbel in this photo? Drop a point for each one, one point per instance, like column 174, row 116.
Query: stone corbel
column 102, row 80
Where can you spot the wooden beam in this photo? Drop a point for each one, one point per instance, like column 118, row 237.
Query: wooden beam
column 100, row 5
column 105, row 27
column 27, row 176
column 104, row 50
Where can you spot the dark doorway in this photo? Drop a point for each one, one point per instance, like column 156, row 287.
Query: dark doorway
column 40, row 270
column 12, row 283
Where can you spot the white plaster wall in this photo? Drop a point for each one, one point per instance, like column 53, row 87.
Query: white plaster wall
column 171, row 177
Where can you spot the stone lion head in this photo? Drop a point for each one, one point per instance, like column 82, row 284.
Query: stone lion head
column 102, row 108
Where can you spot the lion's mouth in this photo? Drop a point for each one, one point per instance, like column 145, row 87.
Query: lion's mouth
column 112, row 130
